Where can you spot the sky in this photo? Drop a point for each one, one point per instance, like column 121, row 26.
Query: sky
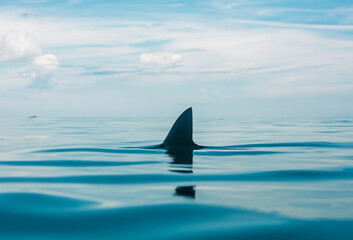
column 242, row 59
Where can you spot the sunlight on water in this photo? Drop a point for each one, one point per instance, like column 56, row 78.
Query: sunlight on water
column 100, row 178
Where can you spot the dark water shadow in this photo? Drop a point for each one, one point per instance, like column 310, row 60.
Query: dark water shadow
column 182, row 160
column 185, row 191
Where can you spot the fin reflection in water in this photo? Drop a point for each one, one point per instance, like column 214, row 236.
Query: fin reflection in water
column 181, row 161
column 185, row 191
column 179, row 143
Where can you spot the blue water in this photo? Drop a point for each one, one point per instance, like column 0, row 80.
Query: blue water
column 99, row 178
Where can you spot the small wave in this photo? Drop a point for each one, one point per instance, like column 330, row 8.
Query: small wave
column 337, row 121
column 166, row 221
column 36, row 202
column 74, row 163
column 241, row 149
column 148, row 150
column 101, row 150
column 280, row 175
column 233, row 153
column 288, row 144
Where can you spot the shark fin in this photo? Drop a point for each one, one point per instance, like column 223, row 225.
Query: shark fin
column 180, row 135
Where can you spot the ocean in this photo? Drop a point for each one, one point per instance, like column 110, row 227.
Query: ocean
column 99, row 178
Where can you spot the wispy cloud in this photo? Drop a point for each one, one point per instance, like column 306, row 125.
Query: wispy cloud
column 296, row 25
column 112, row 72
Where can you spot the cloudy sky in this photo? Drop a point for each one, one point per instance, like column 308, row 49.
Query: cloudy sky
column 247, row 59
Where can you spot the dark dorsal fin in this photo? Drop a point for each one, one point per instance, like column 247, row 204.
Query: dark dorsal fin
column 180, row 135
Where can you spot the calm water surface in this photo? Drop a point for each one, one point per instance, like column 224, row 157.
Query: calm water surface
column 85, row 178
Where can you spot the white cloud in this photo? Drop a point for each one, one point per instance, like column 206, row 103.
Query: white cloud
column 46, row 63
column 160, row 60
column 19, row 45
column 23, row 45
column 42, row 70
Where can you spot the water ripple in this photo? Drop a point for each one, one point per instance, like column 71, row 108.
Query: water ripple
column 197, row 221
column 74, row 163
column 288, row 144
column 280, row 175
column 36, row 202
column 101, row 150
column 154, row 151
